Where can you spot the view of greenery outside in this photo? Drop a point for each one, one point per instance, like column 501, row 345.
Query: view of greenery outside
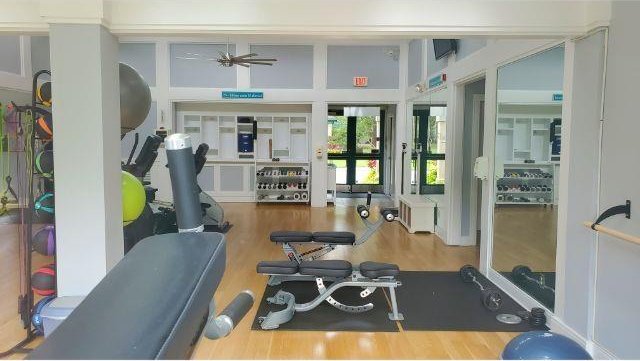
column 366, row 142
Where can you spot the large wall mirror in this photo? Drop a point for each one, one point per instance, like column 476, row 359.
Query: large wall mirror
column 428, row 134
column 527, row 163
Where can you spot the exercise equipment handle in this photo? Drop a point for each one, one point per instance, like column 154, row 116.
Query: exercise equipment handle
column 612, row 232
column 368, row 199
column 222, row 325
column 184, row 185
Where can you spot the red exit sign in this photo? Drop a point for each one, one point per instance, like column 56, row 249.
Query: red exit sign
column 360, row 81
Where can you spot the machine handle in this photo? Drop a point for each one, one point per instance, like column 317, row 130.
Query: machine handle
column 363, row 211
column 222, row 325
column 368, row 199
column 182, row 171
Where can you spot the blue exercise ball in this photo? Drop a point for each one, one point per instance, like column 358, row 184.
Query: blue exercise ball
column 36, row 319
column 543, row 345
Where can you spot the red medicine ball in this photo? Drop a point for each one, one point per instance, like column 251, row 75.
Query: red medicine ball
column 43, row 281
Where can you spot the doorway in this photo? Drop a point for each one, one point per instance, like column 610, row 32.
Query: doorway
column 356, row 145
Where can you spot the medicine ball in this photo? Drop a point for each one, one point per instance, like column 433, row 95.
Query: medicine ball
column 43, row 281
column 45, row 203
column 36, row 319
column 44, row 241
column 135, row 99
column 44, row 94
column 44, row 163
column 133, row 198
column 44, row 127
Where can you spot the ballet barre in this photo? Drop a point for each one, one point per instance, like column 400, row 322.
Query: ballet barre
column 612, row 232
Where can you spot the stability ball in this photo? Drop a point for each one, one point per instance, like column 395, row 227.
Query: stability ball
column 133, row 198
column 543, row 345
column 43, row 281
column 36, row 319
column 44, row 241
column 135, row 99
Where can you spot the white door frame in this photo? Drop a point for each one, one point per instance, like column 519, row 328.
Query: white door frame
column 478, row 100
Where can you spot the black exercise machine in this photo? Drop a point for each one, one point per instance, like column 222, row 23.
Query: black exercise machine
column 157, row 301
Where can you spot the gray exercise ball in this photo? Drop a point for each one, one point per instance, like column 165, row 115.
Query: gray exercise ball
column 135, row 99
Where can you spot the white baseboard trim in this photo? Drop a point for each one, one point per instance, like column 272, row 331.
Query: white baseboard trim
column 553, row 321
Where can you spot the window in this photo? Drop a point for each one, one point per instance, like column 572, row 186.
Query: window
column 429, row 137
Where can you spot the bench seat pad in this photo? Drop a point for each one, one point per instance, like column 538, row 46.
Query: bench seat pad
column 291, row 237
column 278, row 267
column 326, row 268
column 377, row 270
column 341, row 238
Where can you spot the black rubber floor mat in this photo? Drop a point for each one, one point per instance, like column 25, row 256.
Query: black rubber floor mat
column 440, row 301
column 327, row 318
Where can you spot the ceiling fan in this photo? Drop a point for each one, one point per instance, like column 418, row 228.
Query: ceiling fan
column 228, row 60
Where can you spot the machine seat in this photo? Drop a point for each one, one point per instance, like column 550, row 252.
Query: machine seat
column 339, row 238
column 377, row 270
column 277, row 267
column 291, row 237
column 326, row 268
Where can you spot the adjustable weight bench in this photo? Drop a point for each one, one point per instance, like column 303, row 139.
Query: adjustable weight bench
column 369, row 277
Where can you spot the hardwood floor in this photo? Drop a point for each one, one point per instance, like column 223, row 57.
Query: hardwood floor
column 248, row 244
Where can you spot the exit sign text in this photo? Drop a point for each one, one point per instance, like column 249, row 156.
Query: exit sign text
column 360, row 81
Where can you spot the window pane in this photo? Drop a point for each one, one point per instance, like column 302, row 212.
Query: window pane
column 337, row 128
column 436, row 139
column 435, row 172
column 413, row 172
column 367, row 171
column 341, row 170
column 368, row 135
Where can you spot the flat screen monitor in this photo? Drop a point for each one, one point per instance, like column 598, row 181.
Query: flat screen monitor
column 444, row 47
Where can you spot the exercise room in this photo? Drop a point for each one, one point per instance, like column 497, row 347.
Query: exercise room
column 270, row 179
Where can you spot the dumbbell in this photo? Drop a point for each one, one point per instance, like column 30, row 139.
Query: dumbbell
column 523, row 273
column 491, row 298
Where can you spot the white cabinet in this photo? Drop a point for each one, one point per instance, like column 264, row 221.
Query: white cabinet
column 417, row 213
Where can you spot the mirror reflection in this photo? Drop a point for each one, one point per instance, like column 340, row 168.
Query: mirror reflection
column 527, row 164
column 428, row 134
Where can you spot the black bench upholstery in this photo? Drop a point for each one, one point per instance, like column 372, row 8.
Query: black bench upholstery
column 151, row 305
column 291, row 237
column 326, row 268
column 377, row 270
column 342, row 238
column 277, row 267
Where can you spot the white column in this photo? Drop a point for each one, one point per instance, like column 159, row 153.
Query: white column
column 319, row 136
column 86, row 114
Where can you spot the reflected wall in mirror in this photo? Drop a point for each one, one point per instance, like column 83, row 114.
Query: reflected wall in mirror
column 527, row 163
column 428, row 142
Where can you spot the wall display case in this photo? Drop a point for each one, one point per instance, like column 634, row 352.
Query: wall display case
column 242, row 146
column 526, row 184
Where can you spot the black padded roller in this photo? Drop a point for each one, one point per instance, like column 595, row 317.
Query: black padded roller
column 239, row 307
column 183, row 183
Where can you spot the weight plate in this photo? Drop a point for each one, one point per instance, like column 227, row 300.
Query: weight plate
column 467, row 272
column 508, row 318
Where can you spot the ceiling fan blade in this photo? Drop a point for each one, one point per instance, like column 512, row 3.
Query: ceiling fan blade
column 187, row 58
column 257, row 63
column 245, row 56
column 242, row 64
column 257, row 59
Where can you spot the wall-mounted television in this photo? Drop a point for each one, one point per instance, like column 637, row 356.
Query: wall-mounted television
column 444, row 47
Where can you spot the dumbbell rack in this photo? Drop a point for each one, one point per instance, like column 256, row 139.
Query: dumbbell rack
column 282, row 183
column 526, row 185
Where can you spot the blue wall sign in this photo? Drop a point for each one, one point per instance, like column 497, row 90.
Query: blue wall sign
column 241, row 95
column 437, row 80
column 557, row 97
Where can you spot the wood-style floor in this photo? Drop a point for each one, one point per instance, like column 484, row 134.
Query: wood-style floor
column 248, row 244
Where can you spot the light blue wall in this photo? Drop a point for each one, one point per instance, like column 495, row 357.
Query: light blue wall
column 10, row 61
column 468, row 46
column 201, row 73
column 434, row 66
column 346, row 62
column 40, row 53
column 415, row 61
column 543, row 71
column 293, row 70
column 142, row 57
column 145, row 129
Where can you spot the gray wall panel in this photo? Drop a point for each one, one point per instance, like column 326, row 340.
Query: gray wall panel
column 40, row 53
column 469, row 46
column 537, row 72
column 415, row 61
column 201, row 73
column 142, row 57
column 293, row 70
column 346, row 62
column 10, row 61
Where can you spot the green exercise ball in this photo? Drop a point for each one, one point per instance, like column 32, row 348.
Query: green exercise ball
column 133, row 198
column 135, row 99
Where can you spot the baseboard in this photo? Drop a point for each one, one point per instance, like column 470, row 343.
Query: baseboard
column 599, row 352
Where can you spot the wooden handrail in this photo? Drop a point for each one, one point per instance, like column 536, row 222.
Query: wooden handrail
column 613, row 232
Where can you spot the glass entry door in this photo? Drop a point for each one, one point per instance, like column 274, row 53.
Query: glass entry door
column 356, row 148
column 429, row 142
